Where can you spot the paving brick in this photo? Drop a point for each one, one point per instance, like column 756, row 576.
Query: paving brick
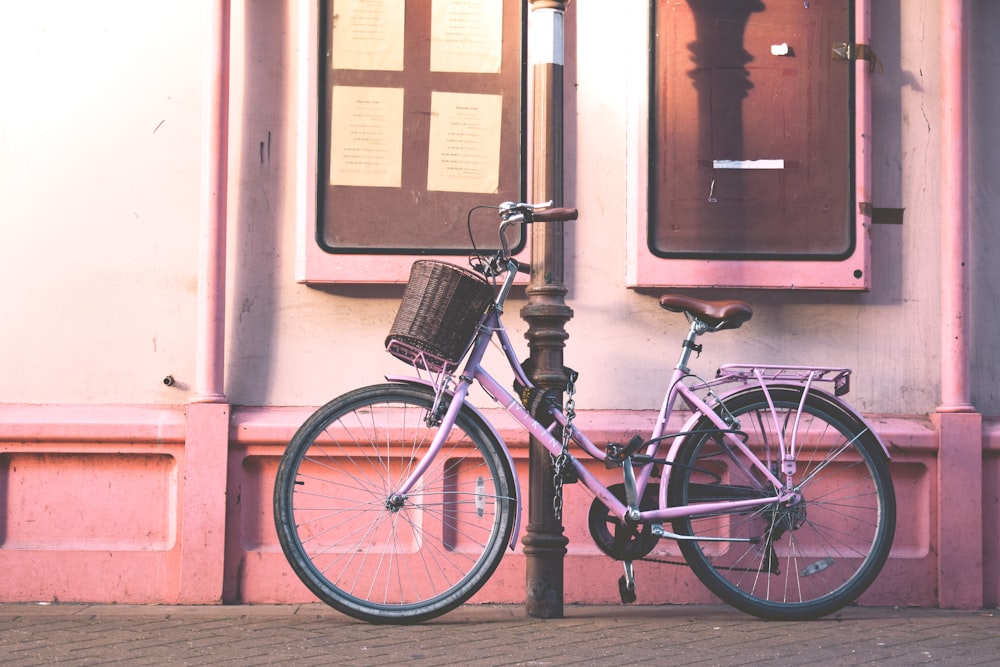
column 307, row 635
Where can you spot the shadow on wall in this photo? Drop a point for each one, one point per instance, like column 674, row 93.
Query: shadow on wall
column 719, row 62
column 984, row 162
column 888, row 83
column 259, row 172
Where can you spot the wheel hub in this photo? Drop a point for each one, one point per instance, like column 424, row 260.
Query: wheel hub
column 395, row 502
column 790, row 515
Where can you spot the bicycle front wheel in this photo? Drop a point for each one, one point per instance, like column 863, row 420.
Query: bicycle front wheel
column 370, row 552
column 800, row 560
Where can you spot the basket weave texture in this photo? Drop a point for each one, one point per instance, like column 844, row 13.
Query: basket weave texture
column 440, row 309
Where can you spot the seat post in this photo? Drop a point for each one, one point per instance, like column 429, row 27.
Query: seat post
column 688, row 345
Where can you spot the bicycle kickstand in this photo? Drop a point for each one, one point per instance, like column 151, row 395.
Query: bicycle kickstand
column 626, row 585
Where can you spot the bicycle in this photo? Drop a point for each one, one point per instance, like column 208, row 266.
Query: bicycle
column 395, row 502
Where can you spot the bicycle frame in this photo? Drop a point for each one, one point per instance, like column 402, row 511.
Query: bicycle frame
column 741, row 375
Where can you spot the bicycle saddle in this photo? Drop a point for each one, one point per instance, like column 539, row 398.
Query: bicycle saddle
column 717, row 315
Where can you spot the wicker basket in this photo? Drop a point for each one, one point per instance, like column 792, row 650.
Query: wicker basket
column 438, row 315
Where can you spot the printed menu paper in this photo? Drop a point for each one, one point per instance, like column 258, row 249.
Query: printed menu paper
column 466, row 36
column 368, row 34
column 366, row 136
column 464, row 152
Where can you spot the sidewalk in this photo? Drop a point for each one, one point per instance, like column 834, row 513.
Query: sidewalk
column 304, row 635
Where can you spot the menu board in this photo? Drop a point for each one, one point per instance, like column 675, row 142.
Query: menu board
column 421, row 118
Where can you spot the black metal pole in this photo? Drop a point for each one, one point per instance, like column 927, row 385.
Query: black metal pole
column 546, row 311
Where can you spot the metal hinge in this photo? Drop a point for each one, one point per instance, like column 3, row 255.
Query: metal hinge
column 846, row 51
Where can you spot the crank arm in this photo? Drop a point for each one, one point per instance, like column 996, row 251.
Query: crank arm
column 660, row 531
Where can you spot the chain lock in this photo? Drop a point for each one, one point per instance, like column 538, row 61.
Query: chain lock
column 560, row 462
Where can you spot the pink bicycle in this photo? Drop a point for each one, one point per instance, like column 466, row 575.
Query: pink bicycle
column 394, row 503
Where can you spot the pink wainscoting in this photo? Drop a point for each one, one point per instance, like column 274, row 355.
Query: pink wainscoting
column 152, row 505
column 256, row 571
column 90, row 503
column 991, row 514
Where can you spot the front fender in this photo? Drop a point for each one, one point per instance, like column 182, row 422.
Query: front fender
column 485, row 423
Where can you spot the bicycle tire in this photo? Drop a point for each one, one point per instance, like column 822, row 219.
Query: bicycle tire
column 375, row 560
column 813, row 557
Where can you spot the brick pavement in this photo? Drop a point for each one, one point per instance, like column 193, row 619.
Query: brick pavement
column 304, row 635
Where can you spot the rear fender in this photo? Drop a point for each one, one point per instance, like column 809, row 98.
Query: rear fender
column 722, row 397
column 824, row 395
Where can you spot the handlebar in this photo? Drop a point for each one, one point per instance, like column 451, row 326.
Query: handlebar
column 555, row 215
column 521, row 213
column 528, row 213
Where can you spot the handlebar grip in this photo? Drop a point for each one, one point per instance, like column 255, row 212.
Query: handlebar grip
column 555, row 215
column 523, row 268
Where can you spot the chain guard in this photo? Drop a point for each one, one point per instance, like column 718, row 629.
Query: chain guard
column 616, row 538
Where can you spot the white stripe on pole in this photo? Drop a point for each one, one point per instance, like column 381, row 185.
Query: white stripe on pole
column 545, row 37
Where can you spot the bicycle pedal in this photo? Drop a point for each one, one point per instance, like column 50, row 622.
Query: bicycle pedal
column 626, row 590
column 626, row 584
column 634, row 445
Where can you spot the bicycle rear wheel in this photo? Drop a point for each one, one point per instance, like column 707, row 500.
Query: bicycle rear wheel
column 371, row 554
column 806, row 559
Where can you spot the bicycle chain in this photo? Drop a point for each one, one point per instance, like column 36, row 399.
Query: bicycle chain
column 647, row 559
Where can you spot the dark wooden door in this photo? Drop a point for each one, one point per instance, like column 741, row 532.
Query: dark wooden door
column 752, row 130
